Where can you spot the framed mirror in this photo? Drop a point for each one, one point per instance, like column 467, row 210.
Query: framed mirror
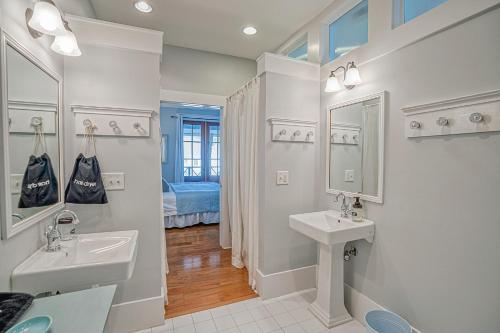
column 355, row 151
column 31, row 139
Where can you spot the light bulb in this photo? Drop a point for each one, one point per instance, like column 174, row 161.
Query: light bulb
column 66, row 45
column 143, row 6
column 46, row 19
column 332, row 84
column 250, row 31
column 352, row 77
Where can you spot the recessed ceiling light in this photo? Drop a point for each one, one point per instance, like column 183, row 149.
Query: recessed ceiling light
column 250, row 31
column 143, row 6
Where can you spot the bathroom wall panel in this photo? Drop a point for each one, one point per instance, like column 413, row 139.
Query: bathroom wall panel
column 204, row 72
column 437, row 242
column 128, row 79
column 282, row 249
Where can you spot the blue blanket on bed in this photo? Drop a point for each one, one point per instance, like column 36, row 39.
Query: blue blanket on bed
column 196, row 197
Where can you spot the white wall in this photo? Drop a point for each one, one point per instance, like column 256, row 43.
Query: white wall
column 436, row 251
column 21, row 246
column 286, row 96
column 77, row 7
column 126, row 78
column 204, row 72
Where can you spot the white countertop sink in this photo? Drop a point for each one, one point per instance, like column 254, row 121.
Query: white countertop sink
column 329, row 228
column 87, row 260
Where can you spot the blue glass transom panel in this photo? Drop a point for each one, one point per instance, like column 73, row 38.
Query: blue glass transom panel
column 414, row 8
column 300, row 52
column 349, row 31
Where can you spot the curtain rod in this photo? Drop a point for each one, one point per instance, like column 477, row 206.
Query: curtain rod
column 252, row 80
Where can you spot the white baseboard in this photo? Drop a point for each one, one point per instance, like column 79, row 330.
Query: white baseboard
column 136, row 315
column 302, row 279
column 286, row 282
column 358, row 305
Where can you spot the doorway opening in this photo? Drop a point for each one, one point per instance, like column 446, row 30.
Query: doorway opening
column 199, row 271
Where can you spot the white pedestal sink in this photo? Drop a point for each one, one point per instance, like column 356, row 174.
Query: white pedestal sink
column 87, row 260
column 332, row 232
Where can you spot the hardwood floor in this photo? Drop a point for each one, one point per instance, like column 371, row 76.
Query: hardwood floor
column 201, row 275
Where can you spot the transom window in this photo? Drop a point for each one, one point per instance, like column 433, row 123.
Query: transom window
column 300, row 52
column 201, row 151
column 349, row 31
column 407, row 10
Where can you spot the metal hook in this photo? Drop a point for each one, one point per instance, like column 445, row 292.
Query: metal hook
column 88, row 124
column 415, row 124
column 114, row 125
column 36, row 121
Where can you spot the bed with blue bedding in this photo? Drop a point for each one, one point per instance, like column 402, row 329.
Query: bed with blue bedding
column 187, row 204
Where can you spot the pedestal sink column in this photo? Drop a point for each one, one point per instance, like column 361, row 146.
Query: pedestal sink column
column 329, row 305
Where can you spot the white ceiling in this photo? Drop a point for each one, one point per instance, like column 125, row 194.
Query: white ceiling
column 215, row 25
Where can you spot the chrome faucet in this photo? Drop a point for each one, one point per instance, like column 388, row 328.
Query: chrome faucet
column 19, row 216
column 53, row 233
column 344, row 208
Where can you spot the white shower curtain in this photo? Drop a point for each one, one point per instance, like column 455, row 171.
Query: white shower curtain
column 239, row 175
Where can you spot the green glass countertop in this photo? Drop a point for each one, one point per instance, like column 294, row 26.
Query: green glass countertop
column 83, row 311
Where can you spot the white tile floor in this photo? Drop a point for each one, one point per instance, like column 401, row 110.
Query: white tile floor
column 287, row 314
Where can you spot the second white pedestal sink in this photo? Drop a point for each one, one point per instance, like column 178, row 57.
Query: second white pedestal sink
column 89, row 259
column 332, row 232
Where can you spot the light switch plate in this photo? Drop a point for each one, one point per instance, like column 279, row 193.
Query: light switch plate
column 349, row 176
column 16, row 183
column 114, row 181
column 282, row 177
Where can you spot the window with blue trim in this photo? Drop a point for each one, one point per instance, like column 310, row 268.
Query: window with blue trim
column 300, row 52
column 349, row 31
column 407, row 10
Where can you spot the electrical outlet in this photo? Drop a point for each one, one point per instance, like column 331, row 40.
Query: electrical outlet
column 282, row 177
column 16, row 183
column 349, row 176
column 114, row 181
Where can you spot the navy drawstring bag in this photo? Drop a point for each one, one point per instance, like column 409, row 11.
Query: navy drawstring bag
column 85, row 185
column 39, row 187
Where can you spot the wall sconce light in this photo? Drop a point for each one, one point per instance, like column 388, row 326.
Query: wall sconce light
column 351, row 78
column 46, row 19
column 66, row 44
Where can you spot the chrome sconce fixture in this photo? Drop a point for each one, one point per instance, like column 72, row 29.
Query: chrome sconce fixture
column 46, row 19
column 352, row 78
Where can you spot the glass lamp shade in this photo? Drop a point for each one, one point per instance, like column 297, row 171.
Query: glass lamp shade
column 332, row 84
column 66, row 45
column 352, row 77
column 47, row 19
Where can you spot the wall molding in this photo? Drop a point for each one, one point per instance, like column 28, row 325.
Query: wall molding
column 123, row 316
column 167, row 95
column 87, row 109
column 110, row 121
column 279, row 64
column 453, row 103
column 293, row 130
column 453, row 116
column 107, row 34
column 286, row 282
column 301, row 280
column 32, row 106
column 358, row 305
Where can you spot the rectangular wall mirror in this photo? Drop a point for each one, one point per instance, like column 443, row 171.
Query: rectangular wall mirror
column 31, row 140
column 355, row 153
